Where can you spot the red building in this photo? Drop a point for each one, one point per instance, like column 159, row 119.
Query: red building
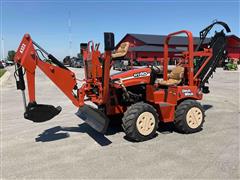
column 144, row 47
column 233, row 46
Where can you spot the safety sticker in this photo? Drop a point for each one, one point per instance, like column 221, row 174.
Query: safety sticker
column 187, row 92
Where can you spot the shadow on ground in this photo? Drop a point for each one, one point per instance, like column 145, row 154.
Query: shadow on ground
column 207, row 106
column 58, row 132
column 165, row 128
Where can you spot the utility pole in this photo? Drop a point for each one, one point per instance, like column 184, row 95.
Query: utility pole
column 2, row 40
column 70, row 32
column 2, row 48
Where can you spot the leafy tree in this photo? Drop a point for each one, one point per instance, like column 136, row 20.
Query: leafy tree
column 11, row 55
column 66, row 60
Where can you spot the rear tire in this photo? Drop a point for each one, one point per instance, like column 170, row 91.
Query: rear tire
column 189, row 117
column 140, row 122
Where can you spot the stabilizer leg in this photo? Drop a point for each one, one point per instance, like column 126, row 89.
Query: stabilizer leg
column 94, row 118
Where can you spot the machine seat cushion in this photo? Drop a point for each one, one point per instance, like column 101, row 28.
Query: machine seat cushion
column 177, row 73
column 169, row 82
column 121, row 51
column 174, row 78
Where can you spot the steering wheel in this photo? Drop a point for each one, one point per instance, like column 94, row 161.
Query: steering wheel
column 156, row 69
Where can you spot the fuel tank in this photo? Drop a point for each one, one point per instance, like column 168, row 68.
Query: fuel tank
column 133, row 77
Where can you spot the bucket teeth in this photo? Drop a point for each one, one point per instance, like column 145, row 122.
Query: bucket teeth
column 94, row 118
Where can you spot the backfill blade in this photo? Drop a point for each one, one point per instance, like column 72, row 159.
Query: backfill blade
column 94, row 118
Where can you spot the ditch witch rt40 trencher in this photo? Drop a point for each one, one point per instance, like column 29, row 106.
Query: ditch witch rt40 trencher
column 142, row 96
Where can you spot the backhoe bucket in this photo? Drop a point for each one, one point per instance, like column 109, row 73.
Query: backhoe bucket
column 94, row 118
column 41, row 112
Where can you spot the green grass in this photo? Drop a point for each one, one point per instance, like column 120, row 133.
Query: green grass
column 2, row 71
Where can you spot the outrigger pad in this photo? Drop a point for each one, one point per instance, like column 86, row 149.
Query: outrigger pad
column 94, row 118
column 41, row 112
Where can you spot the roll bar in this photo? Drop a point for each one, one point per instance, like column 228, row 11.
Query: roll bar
column 190, row 51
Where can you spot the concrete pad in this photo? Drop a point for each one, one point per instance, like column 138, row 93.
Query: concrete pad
column 67, row 148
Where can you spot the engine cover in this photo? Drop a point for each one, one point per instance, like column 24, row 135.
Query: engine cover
column 133, row 77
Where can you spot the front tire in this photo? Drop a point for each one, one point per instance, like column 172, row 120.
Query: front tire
column 189, row 117
column 140, row 122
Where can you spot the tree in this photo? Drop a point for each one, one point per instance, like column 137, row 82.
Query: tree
column 11, row 55
column 66, row 60
column 79, row 55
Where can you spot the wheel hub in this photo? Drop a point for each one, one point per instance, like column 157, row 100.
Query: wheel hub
column 145, row 123
column 194, row 117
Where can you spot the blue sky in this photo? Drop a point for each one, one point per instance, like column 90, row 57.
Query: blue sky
column 47, row 21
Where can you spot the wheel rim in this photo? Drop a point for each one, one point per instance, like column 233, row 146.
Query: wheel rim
column 145, row 123
column 194, row 117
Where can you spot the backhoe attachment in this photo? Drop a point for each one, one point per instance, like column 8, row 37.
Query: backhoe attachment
column 27, row 58
column 33, row 111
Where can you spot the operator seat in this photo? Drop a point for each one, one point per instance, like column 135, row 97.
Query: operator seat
column 174, row 78
column 121, row 51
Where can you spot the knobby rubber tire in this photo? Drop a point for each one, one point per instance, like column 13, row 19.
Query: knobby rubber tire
column 130, row 118
column 180, row 121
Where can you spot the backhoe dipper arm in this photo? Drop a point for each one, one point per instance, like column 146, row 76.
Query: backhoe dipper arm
column 27, row 57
